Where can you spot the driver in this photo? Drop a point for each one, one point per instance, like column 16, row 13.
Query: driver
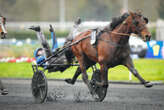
column 74, row 32
column 39, row 55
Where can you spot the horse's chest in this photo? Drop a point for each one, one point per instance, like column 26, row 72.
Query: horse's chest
column 119, row 56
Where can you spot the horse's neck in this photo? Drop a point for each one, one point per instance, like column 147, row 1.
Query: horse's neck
column 122, row 29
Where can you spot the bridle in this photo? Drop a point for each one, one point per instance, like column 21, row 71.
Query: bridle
column 137, row 28
column 134, row 22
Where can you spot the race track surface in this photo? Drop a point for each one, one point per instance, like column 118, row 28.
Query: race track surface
column 62, row 96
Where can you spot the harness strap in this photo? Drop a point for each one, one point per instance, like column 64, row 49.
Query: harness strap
column 118, row 33
column 109, row 41
column 123, row 34
column 112, row 43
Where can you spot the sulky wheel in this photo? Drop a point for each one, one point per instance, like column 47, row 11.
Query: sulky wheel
column 99, row 91
column 39, row 86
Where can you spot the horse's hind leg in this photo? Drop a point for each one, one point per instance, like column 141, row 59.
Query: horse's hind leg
column 73, row 80
column 129, row 64
column 77, row 73
column 83, row 70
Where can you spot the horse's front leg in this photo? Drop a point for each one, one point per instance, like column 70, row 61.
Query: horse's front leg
column 129, row 64
column 103, row 76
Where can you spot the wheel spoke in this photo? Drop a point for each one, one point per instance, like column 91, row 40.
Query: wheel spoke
column 41, row 94
column 41, row 85
column 34, row 88
column 34, row 80
column 35, row 91
column 100, row 92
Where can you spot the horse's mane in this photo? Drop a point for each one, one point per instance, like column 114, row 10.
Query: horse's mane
column 117, row 20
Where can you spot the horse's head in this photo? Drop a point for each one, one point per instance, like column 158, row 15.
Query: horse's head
column 3, row 30
column 138, row 25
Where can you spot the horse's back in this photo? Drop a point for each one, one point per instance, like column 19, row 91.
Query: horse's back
column 84, row 46
column 82, row 35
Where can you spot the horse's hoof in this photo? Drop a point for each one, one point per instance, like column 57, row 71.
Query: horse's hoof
column 91, row 88
column 69, row 81
column 101, row 84
column 4, row 92
column 148, row 84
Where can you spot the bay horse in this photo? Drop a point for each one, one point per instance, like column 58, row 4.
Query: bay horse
column 112, row 49
column 3, row 30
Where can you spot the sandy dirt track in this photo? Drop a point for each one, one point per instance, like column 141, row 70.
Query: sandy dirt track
column 62, row 96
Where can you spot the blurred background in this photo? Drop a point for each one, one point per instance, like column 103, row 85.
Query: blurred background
column 67, row 10
column 21, row 14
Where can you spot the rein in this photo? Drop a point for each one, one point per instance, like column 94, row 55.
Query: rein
column 122, row 34
column 76, row 42
column 113, row 43
column 108, row 41
column 117, row 33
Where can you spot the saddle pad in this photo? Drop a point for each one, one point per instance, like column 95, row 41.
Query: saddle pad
column 93, row 37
